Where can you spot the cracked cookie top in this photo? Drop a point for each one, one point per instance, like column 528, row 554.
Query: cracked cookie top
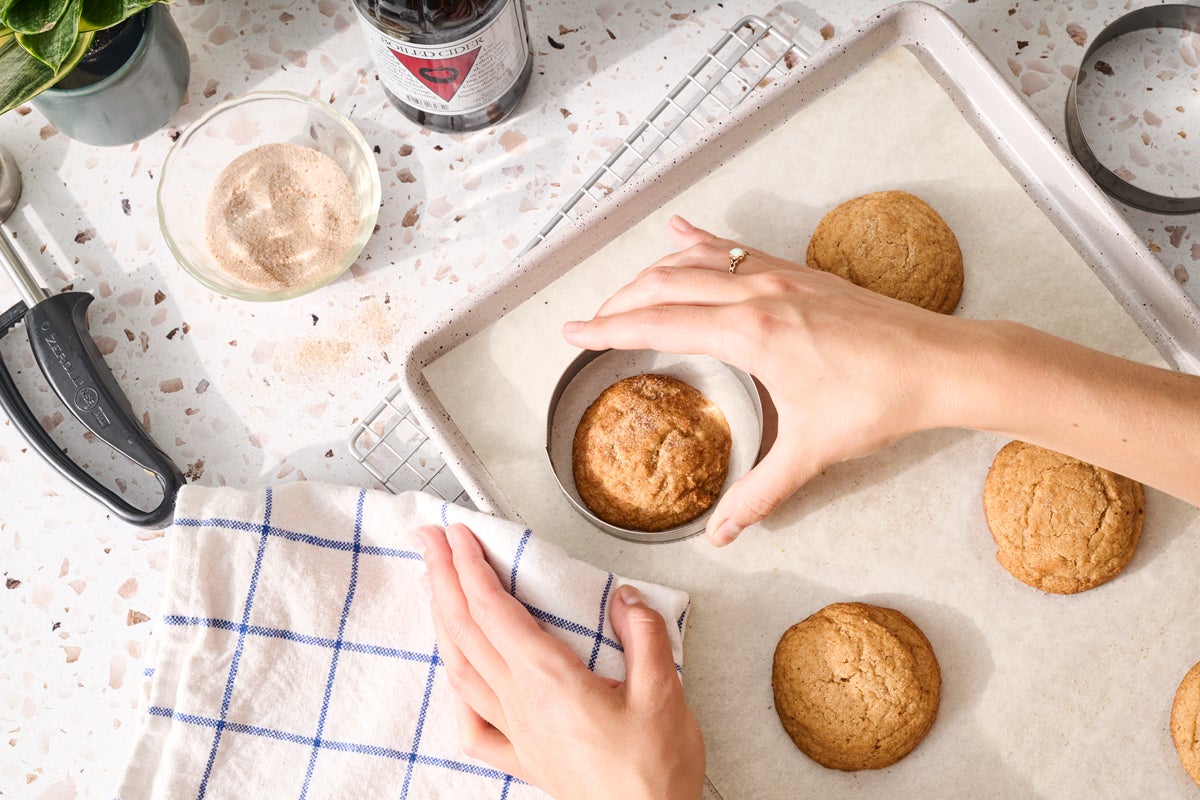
column 856, row 686
column 651, row 453
column 1060, row 525
column 892, row 243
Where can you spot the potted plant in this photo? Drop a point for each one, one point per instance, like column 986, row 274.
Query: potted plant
column 103, row 71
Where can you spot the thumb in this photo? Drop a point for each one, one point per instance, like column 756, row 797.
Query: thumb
column 649, row 665
column 757, row 494
column 685, row 234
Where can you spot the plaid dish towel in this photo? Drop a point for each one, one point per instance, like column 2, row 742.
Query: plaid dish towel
column 295, row 658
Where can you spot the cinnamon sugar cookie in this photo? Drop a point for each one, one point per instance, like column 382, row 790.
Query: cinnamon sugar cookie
column 651, row 453
column 1060, row 525
column 893, row 243
column 1185, row 722
column 856, row 686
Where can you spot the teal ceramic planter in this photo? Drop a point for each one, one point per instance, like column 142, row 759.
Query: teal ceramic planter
column 135, row 100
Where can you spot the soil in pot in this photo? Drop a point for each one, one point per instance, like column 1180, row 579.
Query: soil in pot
column 110, row 49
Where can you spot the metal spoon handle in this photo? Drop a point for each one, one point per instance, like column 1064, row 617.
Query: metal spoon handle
column 31, row 291
column 27, row 286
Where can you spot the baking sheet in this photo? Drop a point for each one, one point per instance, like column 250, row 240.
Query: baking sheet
column 1043, row 696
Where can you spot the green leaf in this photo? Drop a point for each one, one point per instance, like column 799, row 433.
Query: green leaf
column 99, row 14
column 33, row 16
column 22, row 76
column 53, row 46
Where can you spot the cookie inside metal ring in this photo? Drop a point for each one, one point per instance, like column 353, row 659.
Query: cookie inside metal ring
column 582, row 382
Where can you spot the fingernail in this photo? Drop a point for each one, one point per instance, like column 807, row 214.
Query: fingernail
column 574, row 326
column 680, row 224
column 629, row 595
column 728, row 531
column 419, row 543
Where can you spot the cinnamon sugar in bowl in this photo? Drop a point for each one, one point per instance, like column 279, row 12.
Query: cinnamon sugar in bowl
column 268, row 196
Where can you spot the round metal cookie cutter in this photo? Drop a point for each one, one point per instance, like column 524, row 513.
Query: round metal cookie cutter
column 1176, row 16
column 735, row 392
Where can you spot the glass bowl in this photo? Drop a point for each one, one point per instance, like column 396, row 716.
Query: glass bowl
column 235, row 127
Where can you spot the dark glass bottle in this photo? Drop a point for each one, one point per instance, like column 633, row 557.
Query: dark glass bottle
column 450, row 65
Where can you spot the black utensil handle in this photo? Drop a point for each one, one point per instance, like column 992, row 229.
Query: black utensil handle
column 74, row 368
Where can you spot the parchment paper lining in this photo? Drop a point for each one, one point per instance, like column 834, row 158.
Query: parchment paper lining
column 1043, row 696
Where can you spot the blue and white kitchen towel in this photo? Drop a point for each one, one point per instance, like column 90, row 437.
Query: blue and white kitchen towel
column 295, row 657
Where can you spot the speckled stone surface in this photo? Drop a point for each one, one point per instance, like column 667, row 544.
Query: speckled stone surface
column 244, row 394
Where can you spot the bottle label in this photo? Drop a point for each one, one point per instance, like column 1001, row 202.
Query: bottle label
column 456, row 77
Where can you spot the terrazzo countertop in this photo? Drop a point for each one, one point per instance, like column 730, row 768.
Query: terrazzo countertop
column 244, row 394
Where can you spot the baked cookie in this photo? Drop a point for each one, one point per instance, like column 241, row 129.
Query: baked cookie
column 1185, row 722
column 856, row 686
column 651, row 453
column 892, row 243
column 1060, row 525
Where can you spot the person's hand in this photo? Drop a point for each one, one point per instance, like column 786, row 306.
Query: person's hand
column 528, row 706
column 849, row 370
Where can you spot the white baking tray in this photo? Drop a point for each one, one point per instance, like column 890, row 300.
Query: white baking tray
column 1045, row 696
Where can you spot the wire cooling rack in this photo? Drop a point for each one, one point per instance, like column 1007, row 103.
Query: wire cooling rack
column 750, row 56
